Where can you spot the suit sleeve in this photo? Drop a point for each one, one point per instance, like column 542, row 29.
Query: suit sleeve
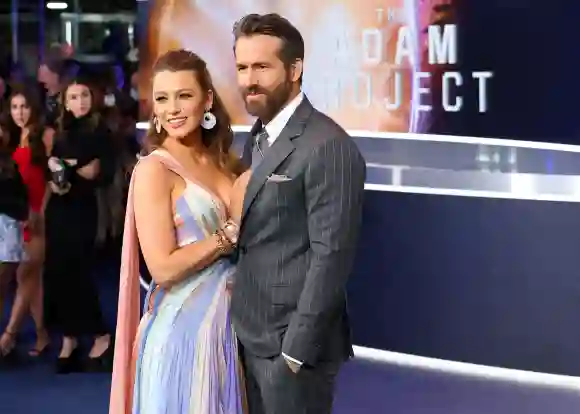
column 334, row 187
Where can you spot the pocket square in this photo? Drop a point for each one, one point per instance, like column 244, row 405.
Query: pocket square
column 275, row 178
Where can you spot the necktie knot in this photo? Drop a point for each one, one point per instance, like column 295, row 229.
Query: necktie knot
column 261, row 146
column 262, row 140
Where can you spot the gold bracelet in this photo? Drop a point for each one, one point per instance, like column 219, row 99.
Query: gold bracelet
column 221, row 242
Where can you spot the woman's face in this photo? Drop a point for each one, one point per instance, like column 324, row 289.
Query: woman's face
column 78, row 100
column 20, row 110
column 179, row 102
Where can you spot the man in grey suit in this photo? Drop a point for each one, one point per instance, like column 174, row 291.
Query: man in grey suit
column 298, row 233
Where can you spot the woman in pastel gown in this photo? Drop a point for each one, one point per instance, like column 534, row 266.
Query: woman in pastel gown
column 182, row 356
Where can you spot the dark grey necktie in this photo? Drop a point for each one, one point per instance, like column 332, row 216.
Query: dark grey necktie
column 260, row 148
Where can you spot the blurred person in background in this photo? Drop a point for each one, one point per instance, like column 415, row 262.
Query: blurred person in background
column 121, row 157
column 50, row 75
column 13, row 212
column 72, row 306
column 29, row 143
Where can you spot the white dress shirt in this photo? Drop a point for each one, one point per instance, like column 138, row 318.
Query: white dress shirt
column 277, row 124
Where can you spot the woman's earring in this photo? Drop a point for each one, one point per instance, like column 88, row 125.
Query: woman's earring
column 209, row 120
column 157, row 124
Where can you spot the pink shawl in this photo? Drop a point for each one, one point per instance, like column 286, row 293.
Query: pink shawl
column 129, row 313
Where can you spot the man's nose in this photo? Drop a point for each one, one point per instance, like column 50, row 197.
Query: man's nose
column 250, row 78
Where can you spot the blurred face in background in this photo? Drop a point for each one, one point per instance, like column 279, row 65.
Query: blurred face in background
column 179, row 102
column 20, row 111
column 47, row 77
column 78, row 100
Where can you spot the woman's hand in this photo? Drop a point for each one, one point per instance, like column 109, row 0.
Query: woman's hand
column 237, row 196
column 59, row 190
column 231, row 231
column 224, row 244
column 54, row 164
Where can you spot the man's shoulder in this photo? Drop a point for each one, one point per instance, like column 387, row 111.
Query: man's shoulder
column 322, row 130
column 325, row 126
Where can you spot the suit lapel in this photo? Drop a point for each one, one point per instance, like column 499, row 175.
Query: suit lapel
column 277, row 153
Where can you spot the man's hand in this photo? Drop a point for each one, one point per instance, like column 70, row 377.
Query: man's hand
column 293, row 365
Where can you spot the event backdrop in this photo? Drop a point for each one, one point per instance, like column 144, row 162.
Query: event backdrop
column 480, row 280
column 373, row 65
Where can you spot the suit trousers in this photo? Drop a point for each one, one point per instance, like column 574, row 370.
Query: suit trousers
column 272, row 388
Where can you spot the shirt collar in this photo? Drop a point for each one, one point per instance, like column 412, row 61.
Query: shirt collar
column 276, row 125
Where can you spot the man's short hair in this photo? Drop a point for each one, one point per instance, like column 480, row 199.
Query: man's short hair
column 54, row 61
column 273, row 24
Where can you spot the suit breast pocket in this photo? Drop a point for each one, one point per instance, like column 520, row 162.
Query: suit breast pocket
column 284, row 193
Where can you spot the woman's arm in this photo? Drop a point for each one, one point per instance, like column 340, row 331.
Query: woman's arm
column 167, row 262
column 47, row 193
column 92, row 157
column 91, row 170
column 48, row 140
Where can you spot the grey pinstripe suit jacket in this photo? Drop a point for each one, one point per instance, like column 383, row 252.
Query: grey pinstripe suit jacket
column 297, row 242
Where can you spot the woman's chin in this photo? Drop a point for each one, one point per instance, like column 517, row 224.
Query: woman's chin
column 181, row 133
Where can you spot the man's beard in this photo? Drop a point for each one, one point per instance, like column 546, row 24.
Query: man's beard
column 275, row 100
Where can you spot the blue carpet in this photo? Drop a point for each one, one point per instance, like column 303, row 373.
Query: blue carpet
column 362, row 387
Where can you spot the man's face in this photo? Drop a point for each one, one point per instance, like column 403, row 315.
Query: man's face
column 264, row 81
column 47, row 77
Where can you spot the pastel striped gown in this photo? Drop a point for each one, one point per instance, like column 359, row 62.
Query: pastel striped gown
column 182, row 357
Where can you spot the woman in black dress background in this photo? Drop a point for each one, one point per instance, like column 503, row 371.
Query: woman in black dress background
column 77, row 164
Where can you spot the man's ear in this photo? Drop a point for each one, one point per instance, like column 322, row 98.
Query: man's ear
column 296, row 69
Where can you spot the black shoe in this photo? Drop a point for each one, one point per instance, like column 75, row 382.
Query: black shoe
column 104, row 362
column 71, row 364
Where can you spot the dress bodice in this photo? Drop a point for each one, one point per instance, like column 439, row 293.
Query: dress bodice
column 198, row 214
